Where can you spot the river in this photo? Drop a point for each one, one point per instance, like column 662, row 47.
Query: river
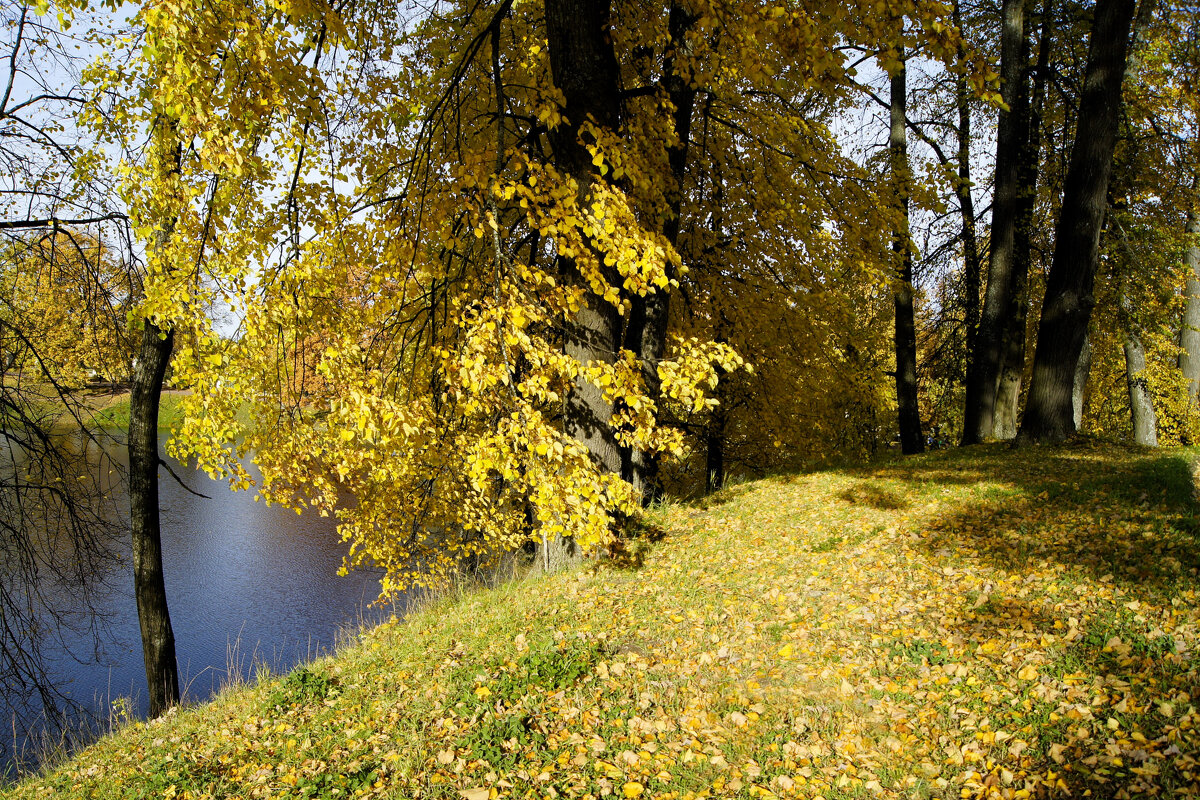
column 247, row 585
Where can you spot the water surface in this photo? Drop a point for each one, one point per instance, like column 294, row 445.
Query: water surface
column 247, row 585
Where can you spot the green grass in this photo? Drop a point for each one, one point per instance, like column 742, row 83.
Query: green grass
column 969, row 623
column 114, row 412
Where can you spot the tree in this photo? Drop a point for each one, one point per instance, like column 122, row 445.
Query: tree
column 1189, row 330
column 1002, row 295
column 150, row 590
column 60, row 297
column 505, row 373
column 911, row 438
column 1068, row 304
column 966, row 200
column 1141, row 402
column 68, row 292
column 584, row 68
column 1006, row 411
column 200, row 160
column 57, row 530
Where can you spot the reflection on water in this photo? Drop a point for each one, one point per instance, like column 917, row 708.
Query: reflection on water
column 246, row 585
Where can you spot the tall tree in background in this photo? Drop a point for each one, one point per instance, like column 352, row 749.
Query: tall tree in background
column 1189, row 330
column 966, row 200
column 646, row 333
column 911, row 438
column 1141, row 400
column 1188, row 51
column 1143, row 417
column 1006, row 410
column 1068, row 304
column 983, row 370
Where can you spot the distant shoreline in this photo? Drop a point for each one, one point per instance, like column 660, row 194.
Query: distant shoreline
column 111, row 410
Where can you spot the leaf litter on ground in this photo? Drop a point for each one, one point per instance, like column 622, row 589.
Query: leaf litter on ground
column 970, row 623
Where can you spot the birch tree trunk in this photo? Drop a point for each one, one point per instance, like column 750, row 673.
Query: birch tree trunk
column 1189, row 332
column 1141, row 404
column 1079, row 383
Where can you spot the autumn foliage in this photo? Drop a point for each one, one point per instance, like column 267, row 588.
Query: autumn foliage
column 390, row 206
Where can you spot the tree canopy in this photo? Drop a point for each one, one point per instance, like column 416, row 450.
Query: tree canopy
column 502, row 272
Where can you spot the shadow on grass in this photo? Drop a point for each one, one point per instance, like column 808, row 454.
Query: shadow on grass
column 868, row 494
column 1130, row 516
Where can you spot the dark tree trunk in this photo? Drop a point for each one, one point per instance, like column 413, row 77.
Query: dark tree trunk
column 1067, row 307
column 715, row 435
column 585, row 69
column 714, row 452
column 1012, row 371
column 911, row 440
column 158, row 640
column 966, row 202
column 646, row 333
column 983, row 369
column 1189, row 332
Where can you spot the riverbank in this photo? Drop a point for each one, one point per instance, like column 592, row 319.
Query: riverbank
column 964, row 623
column 111, row 410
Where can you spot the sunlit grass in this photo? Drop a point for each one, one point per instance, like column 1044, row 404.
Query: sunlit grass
column 966, row 623
column 113, row 412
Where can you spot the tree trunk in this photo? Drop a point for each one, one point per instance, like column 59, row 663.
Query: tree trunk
column 1012, row 372
column 983, row 369
column 1141, row 404
column 1189, row 333
column 911, row 440
column 1008, row 390
column 646, row 333
column 715, row 435
column 1067, row 307
column 158, row 640
column 584, row 68
column 966, row 201
column 714, row 453
column 1079, row 383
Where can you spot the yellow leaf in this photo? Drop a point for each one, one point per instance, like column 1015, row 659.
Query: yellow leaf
column 1028, row 672
column 632, row 789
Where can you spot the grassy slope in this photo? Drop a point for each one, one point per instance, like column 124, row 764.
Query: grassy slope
column 961, row 624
